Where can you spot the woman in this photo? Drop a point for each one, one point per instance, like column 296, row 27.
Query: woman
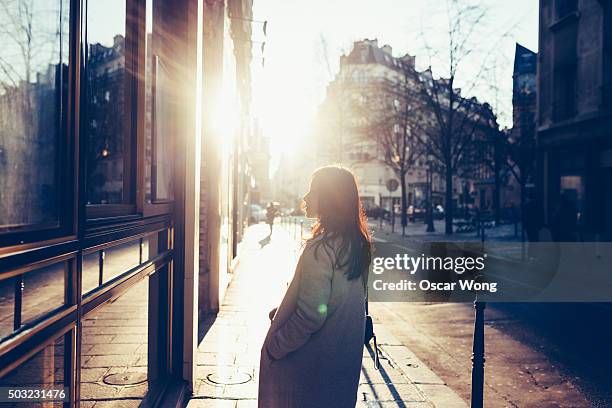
column 311, row 357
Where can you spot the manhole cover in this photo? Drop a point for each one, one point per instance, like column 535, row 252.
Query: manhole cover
column 228, row 378
column 125, row 378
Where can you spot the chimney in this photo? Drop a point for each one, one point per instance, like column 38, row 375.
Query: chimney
column 387, row 48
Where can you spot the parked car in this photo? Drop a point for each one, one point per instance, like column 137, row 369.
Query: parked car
column 415, row 213
column 377, row 212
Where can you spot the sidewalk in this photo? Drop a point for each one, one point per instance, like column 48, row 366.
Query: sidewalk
column 228, row 357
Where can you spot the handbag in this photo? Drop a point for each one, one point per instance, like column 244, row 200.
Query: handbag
column 369, row 334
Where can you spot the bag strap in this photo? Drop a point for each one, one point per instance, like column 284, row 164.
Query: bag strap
column 376, row 359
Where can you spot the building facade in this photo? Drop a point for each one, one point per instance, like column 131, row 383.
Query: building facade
column 343, row 135
column 574, row 113
column 106, row 157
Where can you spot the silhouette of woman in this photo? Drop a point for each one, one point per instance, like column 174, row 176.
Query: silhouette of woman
column 311, row 356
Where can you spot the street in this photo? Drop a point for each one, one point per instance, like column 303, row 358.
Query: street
column 537, row 354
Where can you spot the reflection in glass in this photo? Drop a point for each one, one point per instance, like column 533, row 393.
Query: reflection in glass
column 159, row 151
column 148, row 126
column 7, row 306
column 162, row 143
column 33, row 69
column 44, row 370
column 106, row 102
column 114, row 360
column 91, row 272
column 43, row 291
column 120, row 259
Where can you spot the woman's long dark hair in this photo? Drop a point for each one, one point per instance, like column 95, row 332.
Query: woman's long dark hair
column 341, row 215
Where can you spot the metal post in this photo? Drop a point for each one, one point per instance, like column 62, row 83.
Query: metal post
column 478, row 356
column 302, row 229
column 523, row 251
column 482, row 235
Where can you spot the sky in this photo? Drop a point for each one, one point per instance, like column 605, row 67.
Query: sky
column 306, row 38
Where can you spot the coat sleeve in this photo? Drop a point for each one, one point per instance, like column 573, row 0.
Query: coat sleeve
column 311, row 310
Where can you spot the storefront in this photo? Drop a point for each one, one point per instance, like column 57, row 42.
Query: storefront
column 100, row 141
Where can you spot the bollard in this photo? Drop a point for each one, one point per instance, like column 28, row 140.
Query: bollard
column 301, row 229
column 478, row 356
column 482, row 233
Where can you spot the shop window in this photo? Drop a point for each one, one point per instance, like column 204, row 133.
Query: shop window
column 7, row 306
column 108, row 104
column 572, row 187
column 119, row 259
column 30, row 296
column 565, row 7
column 607, row 54
column 91, row 268
column 45, row 370
column 42, row 292
column 122, row 347
column 33, row 95
column 106, row 264
column 565, row 72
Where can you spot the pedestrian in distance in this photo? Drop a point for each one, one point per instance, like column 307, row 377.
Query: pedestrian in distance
column 311, row 356
column 271, row 213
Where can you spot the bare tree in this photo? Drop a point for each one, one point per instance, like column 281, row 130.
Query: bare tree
column 29, row 45
column 389, row 110
column 451, row 119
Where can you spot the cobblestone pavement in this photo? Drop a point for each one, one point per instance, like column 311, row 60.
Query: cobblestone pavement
column 228, row 357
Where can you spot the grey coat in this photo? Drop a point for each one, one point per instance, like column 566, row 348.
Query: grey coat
column 311, row 356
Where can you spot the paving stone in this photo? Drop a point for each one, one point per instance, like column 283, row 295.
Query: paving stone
column 111, row 349
column 133, row 403
column 240, row 391
column 211, row 403
column 90, row 391
column 93, row 374
column 139, row 390
column 389, row 392
column 205, row 389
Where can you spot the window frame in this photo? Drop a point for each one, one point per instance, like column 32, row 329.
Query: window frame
column 154, row 207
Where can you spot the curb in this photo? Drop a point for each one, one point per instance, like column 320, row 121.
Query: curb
column 408, row 364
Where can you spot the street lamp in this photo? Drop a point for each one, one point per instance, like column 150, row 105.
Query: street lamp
column 430, row 223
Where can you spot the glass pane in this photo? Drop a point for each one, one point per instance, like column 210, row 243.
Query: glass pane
column 107, row 125
column 91, row 272
column 7, row 306
column 149, row 52
column 115, row 347
column 120, row 259
column 45, row 370
column 159, row 153
column 33, row 69
column 162, row 142
column 43, row 291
